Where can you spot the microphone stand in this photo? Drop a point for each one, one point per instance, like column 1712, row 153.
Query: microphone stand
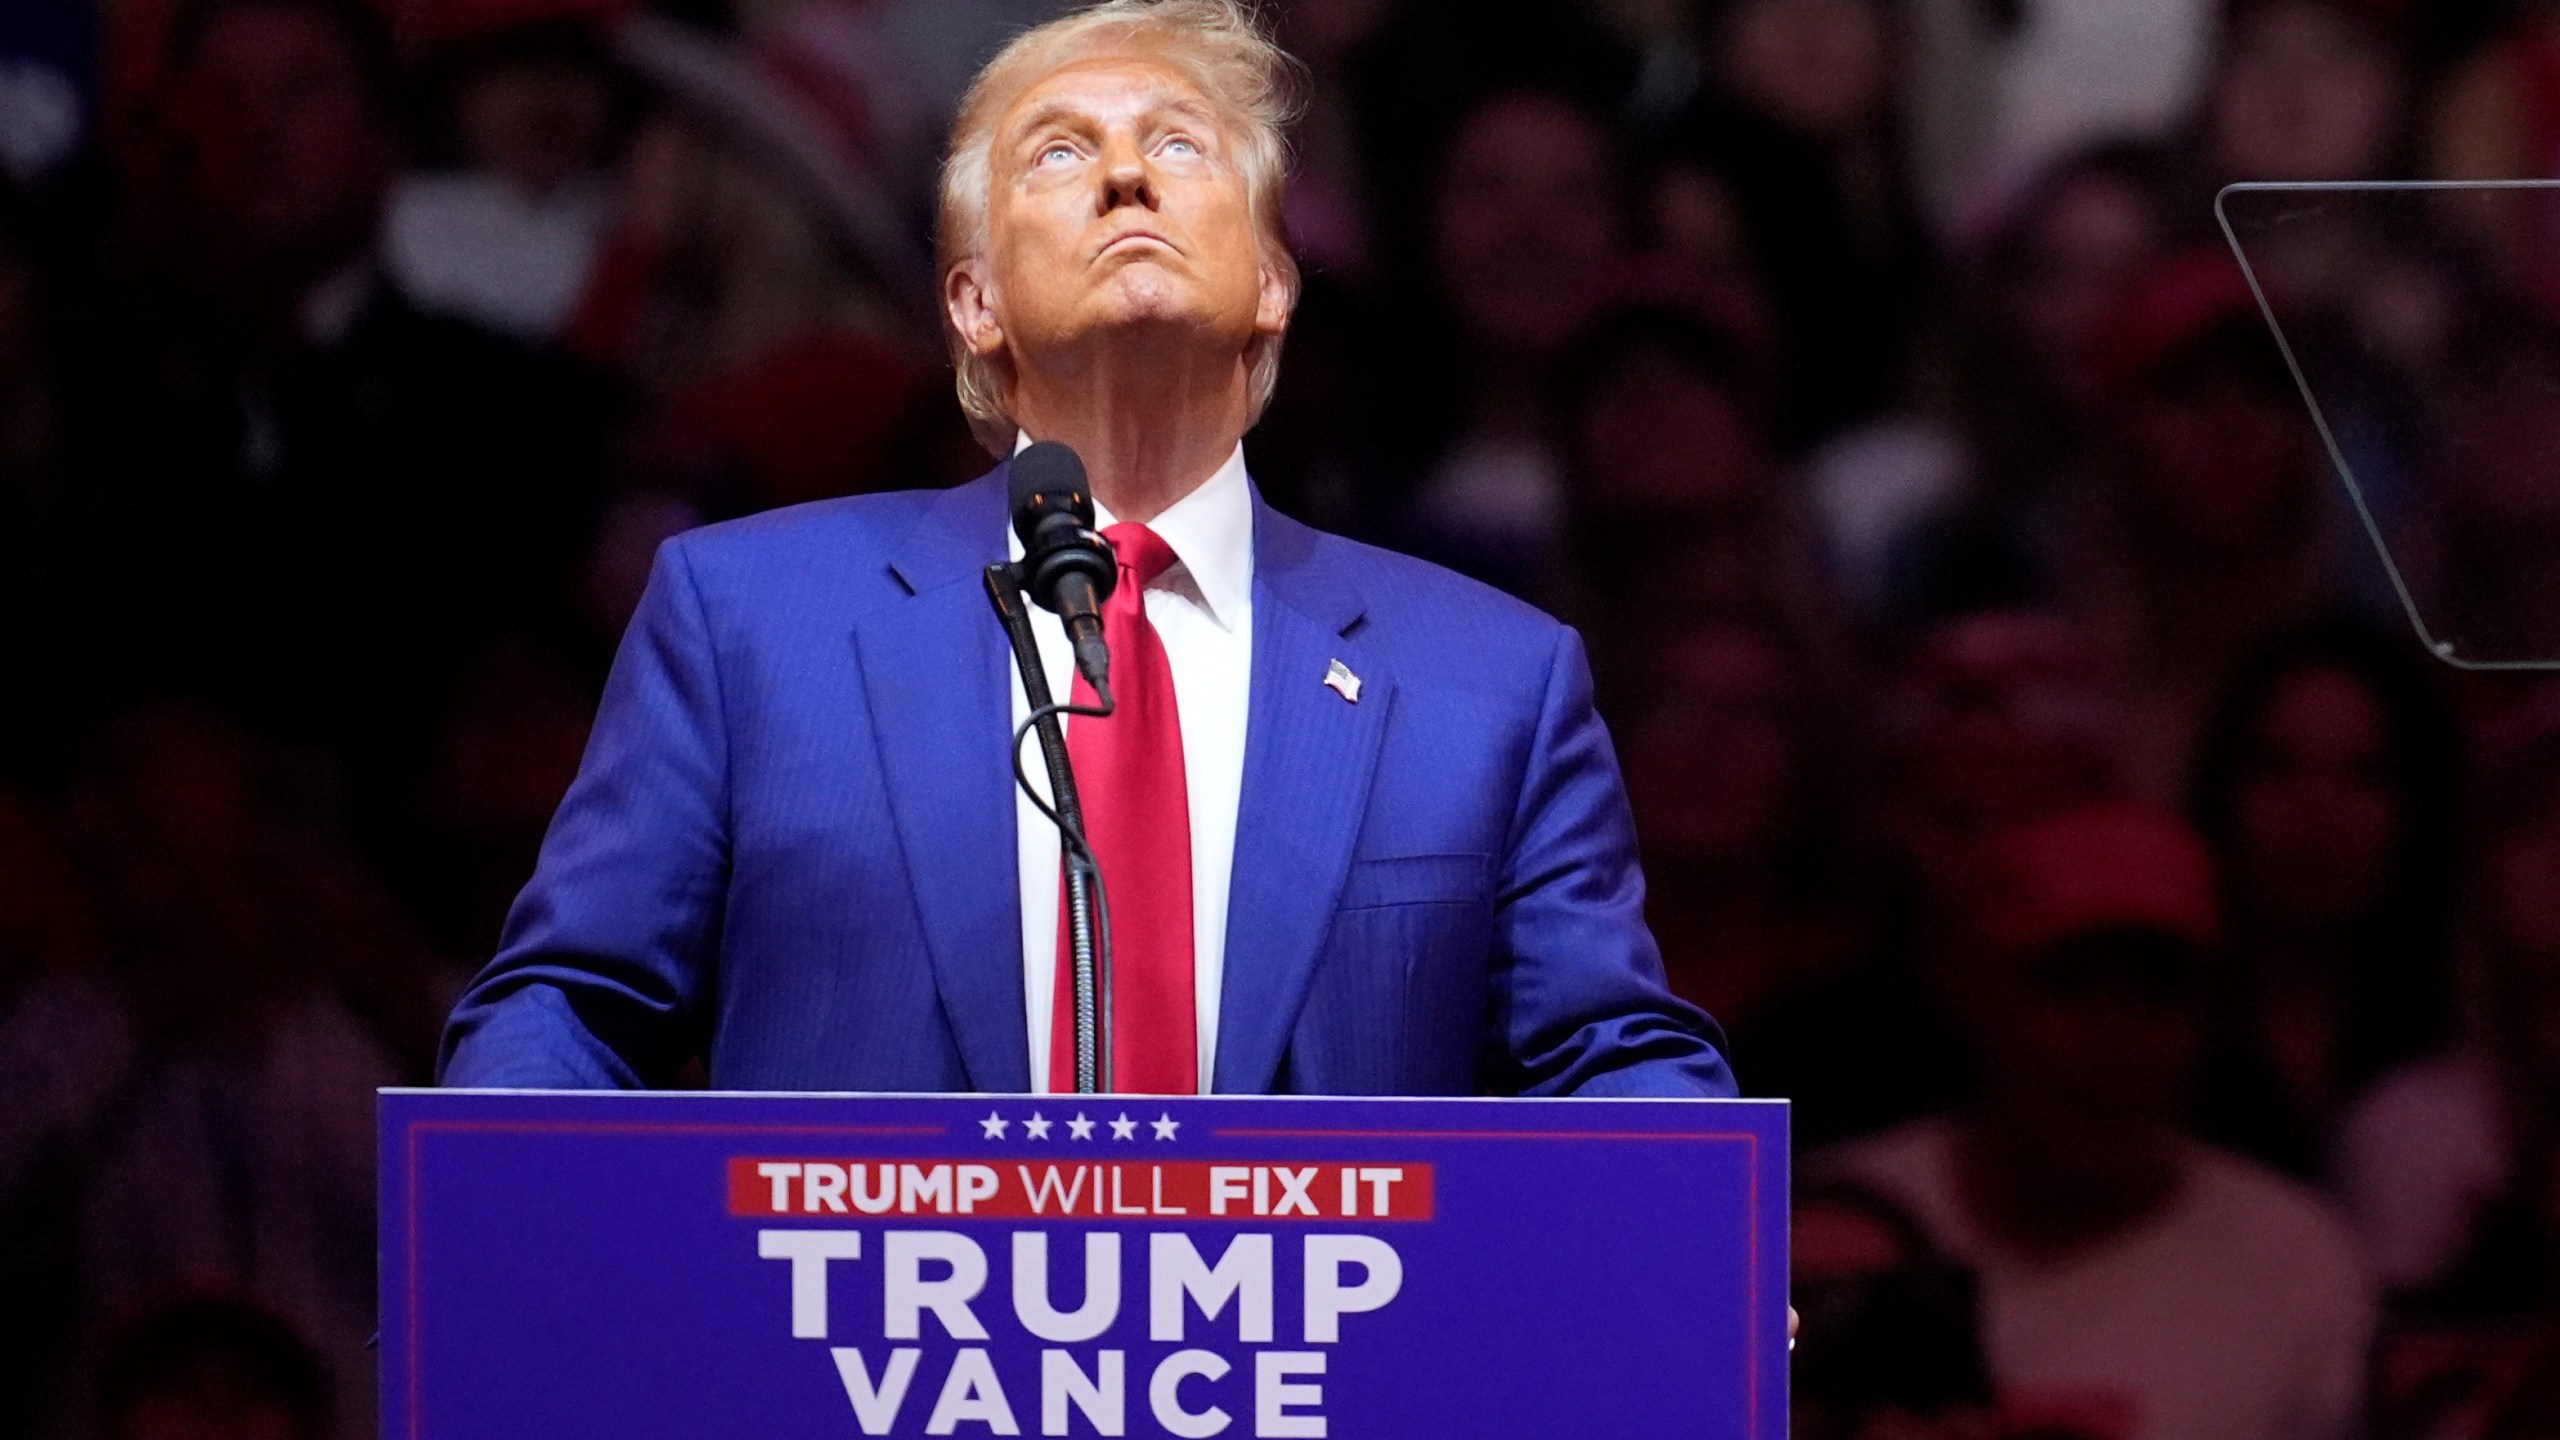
column 1088, row 911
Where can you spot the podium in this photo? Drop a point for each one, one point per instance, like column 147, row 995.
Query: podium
column 561, row 1266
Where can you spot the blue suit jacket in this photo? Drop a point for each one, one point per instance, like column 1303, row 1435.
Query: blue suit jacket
column 790, row 847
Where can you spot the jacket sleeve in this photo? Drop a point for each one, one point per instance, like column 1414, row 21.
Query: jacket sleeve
column 1580, row 1006
column 604, row 970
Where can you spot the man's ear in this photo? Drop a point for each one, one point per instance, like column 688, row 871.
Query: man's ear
column 972, row 309
column 1278, row 299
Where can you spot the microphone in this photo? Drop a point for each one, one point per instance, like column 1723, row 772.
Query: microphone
column 1067, row 567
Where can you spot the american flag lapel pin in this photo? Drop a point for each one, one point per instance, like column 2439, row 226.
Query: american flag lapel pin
column 1338, row 677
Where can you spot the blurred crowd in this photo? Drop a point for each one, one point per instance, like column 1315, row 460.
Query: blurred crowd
column 2039, row 769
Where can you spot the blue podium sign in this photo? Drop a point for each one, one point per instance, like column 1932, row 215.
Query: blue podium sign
column 629, row 1267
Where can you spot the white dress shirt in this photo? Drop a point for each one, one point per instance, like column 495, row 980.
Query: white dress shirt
column 1202, row 607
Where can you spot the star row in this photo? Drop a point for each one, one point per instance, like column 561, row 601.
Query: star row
column 1079, row 1128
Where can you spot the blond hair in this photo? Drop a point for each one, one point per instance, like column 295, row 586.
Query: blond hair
column 1220, row 47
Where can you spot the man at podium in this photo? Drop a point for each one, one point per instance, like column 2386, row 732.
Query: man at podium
column 1362, row 830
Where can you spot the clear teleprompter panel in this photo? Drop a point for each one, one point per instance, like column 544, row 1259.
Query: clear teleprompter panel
column 2421, row 321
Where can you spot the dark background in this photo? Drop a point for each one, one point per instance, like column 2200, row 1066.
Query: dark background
column 1867, row 379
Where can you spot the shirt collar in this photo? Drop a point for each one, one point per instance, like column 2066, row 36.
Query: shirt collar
column 1210, row 532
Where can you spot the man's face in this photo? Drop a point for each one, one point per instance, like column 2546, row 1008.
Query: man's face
column 1525, row 225
column 2305, row 95
column 1711, row 763
column 1660, row 436
column 1117, row 204
column 537, row 121
column 2222, row 463
column 1824, row 65
column 290, row 155
column 2003, row 720
column 2092, row 1042
column 2094, row 235
column 2318, row 816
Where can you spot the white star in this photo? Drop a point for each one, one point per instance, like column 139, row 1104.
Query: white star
column 994, row 1126
column 1165, row 1126
column 1080, row 1128
column 1035, row 1128
column 1124, row 1128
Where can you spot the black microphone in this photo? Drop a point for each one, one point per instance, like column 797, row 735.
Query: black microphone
column 1067, row 567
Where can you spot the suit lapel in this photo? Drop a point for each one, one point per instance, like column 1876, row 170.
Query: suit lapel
column 934, row 666
column 1309, row 754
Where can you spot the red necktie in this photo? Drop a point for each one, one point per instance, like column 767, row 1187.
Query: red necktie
column 1137, row 817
